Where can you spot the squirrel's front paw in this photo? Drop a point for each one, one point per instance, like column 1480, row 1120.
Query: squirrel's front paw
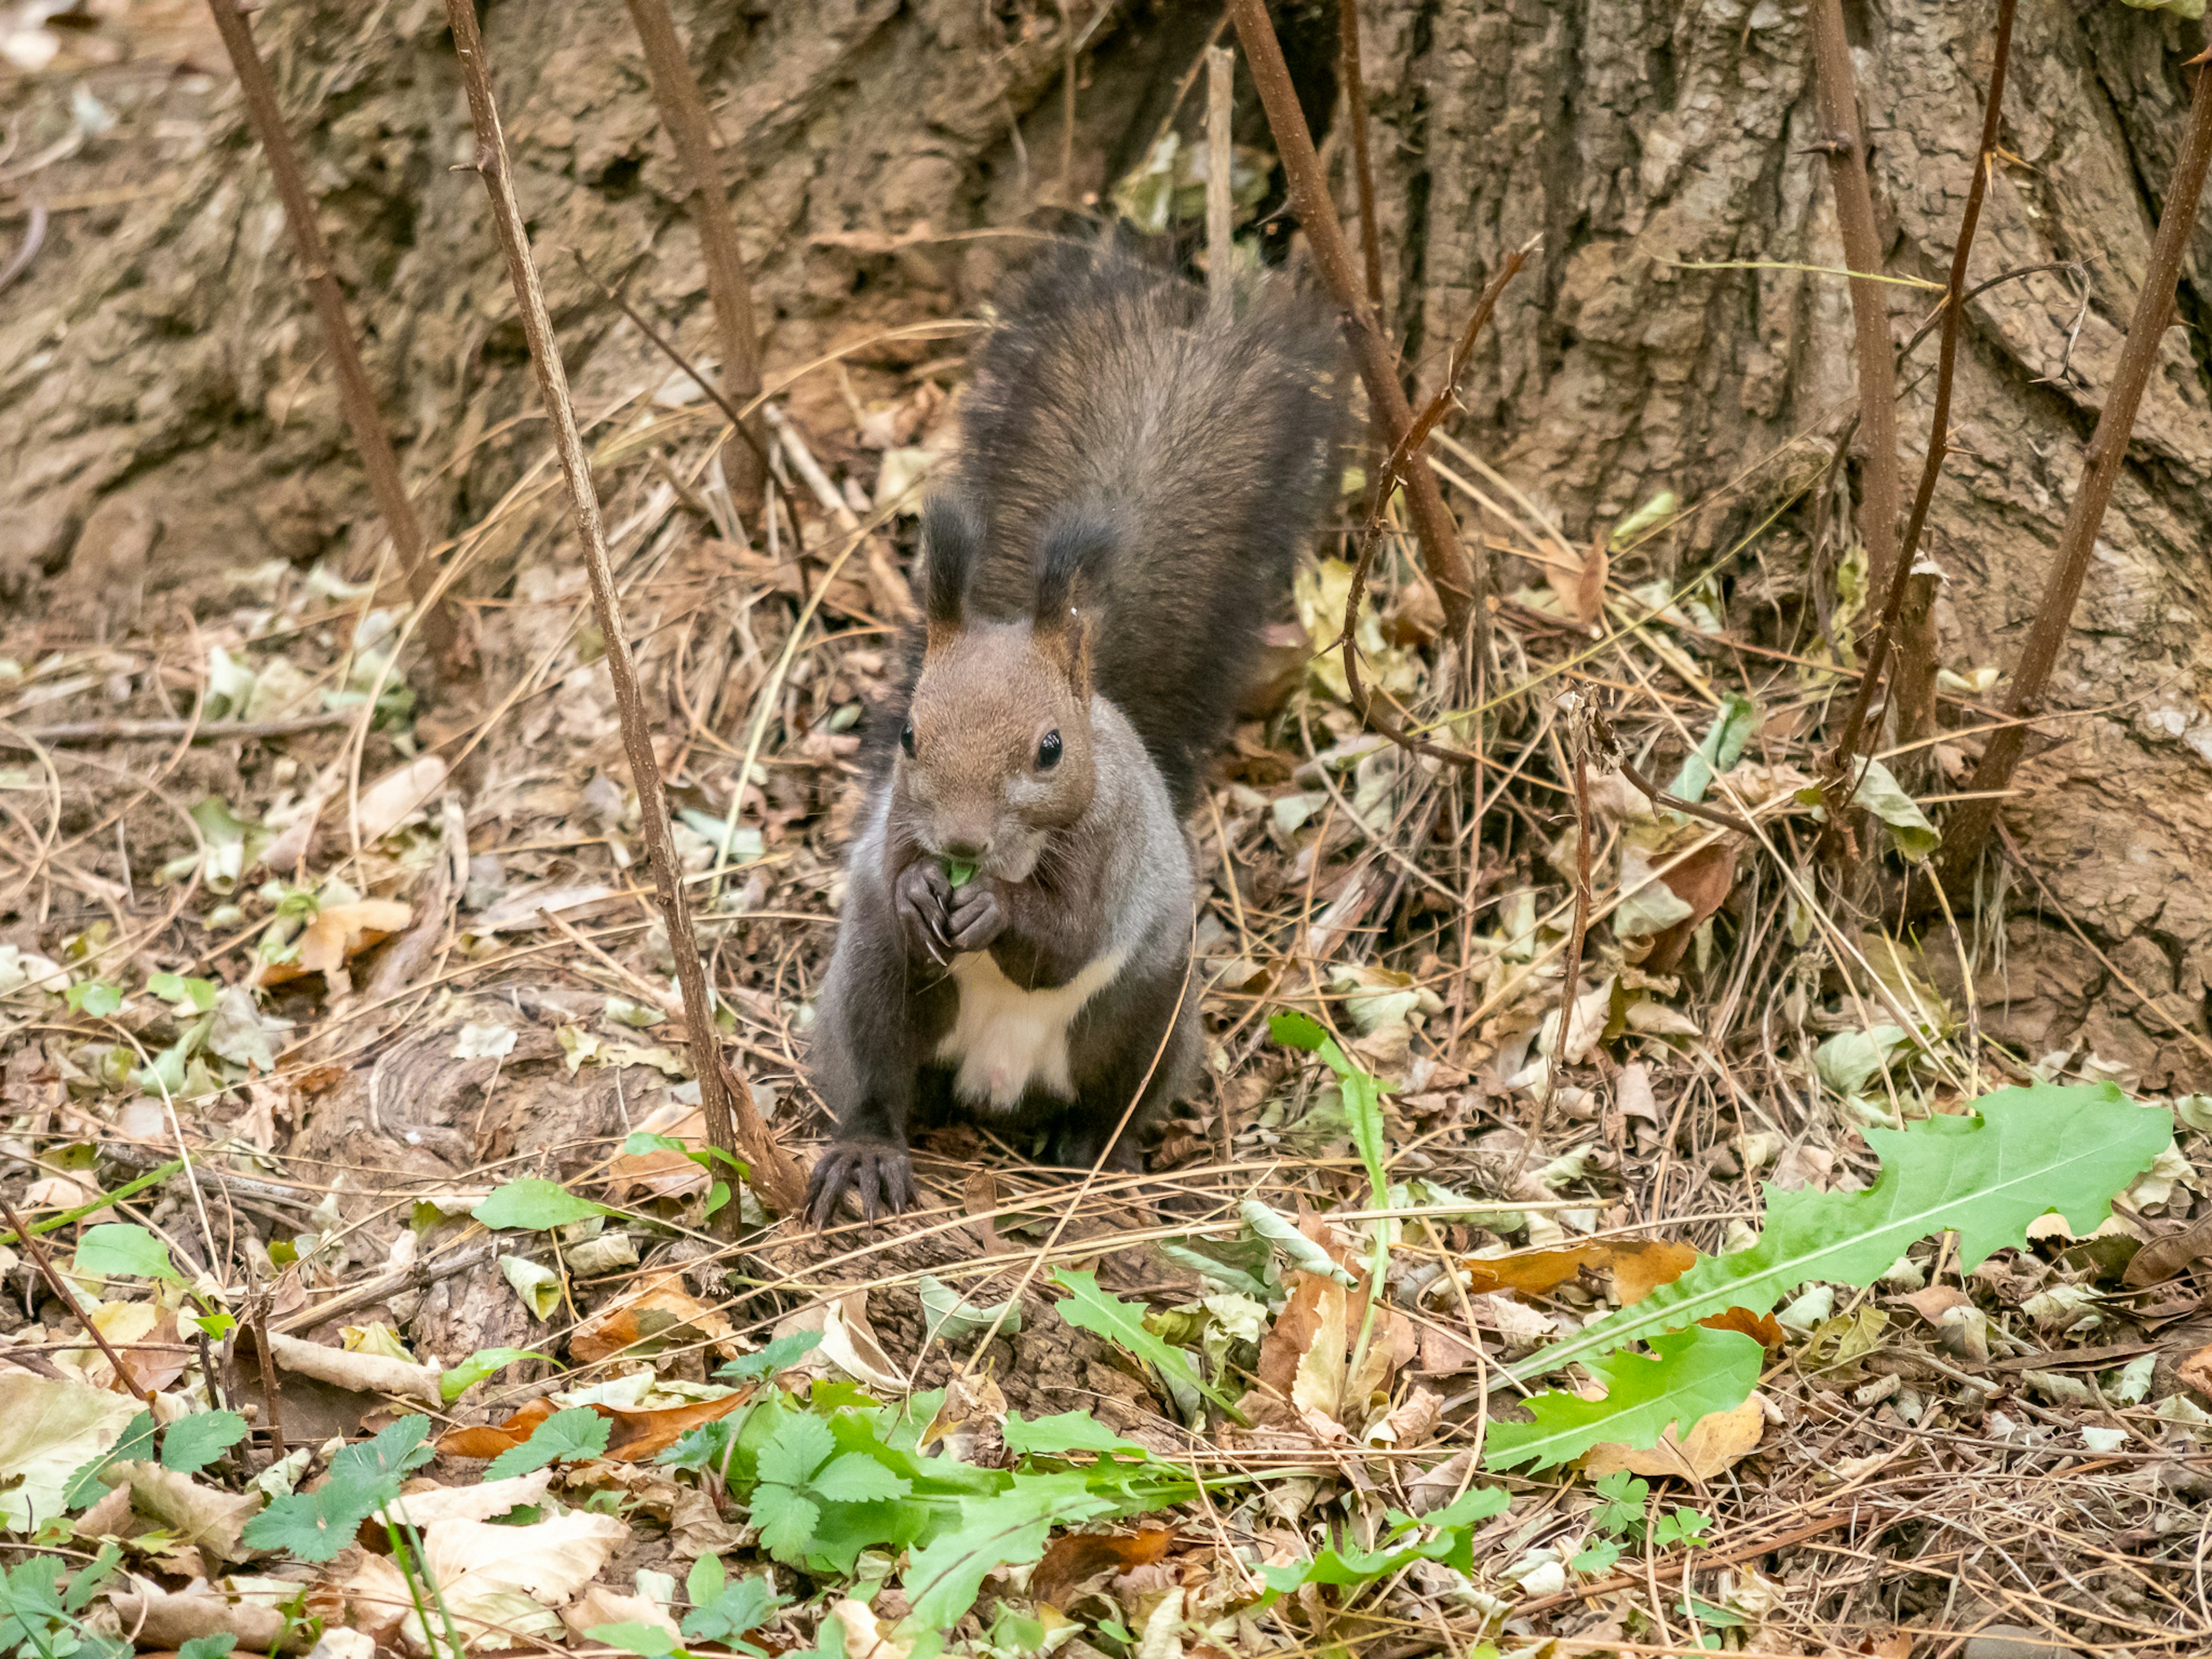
column 920, row 894
column 879, row 1172
column 975, row 918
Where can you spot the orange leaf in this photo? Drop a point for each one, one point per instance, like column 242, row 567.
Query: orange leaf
column 1077, row 1558
column 638, row 1435
column 1703, row 881
column 490, row 1439
column 1638, row 1267
column 1588, row 599
column 659, row 1315
column 1760, row 1327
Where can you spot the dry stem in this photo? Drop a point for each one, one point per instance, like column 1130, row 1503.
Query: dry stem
column 1837, row 91
column 354, row 398
column 2108, row 450
column 1916, row 707
column 1220, row 202
column 733, row 1125
column 683, row 112
column 1363, row 170
column 1462, row 585
column 59, row 1287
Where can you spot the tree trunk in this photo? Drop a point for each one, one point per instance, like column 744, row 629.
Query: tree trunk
column 1639, row 140
column 159, row 366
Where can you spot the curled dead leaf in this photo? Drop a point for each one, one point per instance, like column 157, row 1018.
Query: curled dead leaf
column 198, row 1516
column 1078, row 1558
column 1760, row 1327
column 1716, row 1443
column 490, row 1439
column 659, row 1314
column 169, row 1618
column 1638, row 1267
column 338, row 932
column 365, row 1373
column 500, row 1585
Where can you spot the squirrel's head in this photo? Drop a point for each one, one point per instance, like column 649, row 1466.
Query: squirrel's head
column 996, row 751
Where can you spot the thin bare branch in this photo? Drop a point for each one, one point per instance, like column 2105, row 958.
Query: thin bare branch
column 356, row 399
column 1462, row 585
column 2108, row 449
column 733, row 1124
column 684, row 112
column 1939, row 444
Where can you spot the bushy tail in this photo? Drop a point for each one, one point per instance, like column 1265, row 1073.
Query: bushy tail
column 1215, row 444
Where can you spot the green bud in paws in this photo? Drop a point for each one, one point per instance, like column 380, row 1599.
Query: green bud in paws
column 958, row 873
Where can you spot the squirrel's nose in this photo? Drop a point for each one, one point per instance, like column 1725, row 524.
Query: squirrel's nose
column 966, row 850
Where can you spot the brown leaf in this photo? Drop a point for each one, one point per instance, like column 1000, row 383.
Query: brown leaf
column 1716, row 1442
column 1078, row 1558
column 490, row 1439
column 169, row 1618
column 1586, row 600
column 338, row 932
column 1639, row 1267
column 638, row 1435
column 2167, row 1255
column 662, row 1173
column 2197, row 1370
column 1760, row 1327
column 1703, row 881
column 658, row 1315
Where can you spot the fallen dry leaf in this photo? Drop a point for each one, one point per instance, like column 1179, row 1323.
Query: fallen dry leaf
column 1076, row 1559
column 2197, row 1370
column 632, row 1437
column 864, row 1638
column 486, row 1502
column 1703, row 881
column 397, row 793
column 49, row 1428
column 169, row 1618
column 2169, row 1254
column 493, row 1581
column 338, row 932
column 1760, row 1327
column 662, row 1173
column 598, row 1605
column 659, row 1314
column 639, row 1435
column 365, row 1373
column 1715, row 1442
column 1585, row 593
column 1638, row 1267
column 490, row 1439
column 200, row 1517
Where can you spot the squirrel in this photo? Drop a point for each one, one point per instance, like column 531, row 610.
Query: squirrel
column 1137, row 477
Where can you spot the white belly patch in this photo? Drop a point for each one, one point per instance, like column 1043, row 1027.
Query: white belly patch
column 1003, row 1039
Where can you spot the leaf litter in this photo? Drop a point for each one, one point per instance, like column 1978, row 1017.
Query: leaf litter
column 1441, row 1314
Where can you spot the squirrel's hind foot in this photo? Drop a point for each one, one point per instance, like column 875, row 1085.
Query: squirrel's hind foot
column 880, row 1173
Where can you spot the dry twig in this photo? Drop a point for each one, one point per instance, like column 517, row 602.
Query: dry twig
column 683, row 112
column 733, row 1124
column 2100, row 472
column 1461, row 584
column 355, row 396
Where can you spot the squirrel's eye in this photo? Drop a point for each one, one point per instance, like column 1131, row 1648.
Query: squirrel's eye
column 906, row 739
column 1048, row 751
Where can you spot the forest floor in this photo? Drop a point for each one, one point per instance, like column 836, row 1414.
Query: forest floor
column 343, row 1088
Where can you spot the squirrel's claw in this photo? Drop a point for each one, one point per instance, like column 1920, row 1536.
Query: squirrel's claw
column 919, row 895
column 878, row 1173
column 975, row 919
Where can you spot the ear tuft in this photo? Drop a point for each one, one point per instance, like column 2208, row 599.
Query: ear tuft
column 1069, row 556
column 952, row 540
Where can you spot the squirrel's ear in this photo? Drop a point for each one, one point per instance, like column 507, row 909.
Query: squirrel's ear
column 950, row 539
column 1075, row 545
